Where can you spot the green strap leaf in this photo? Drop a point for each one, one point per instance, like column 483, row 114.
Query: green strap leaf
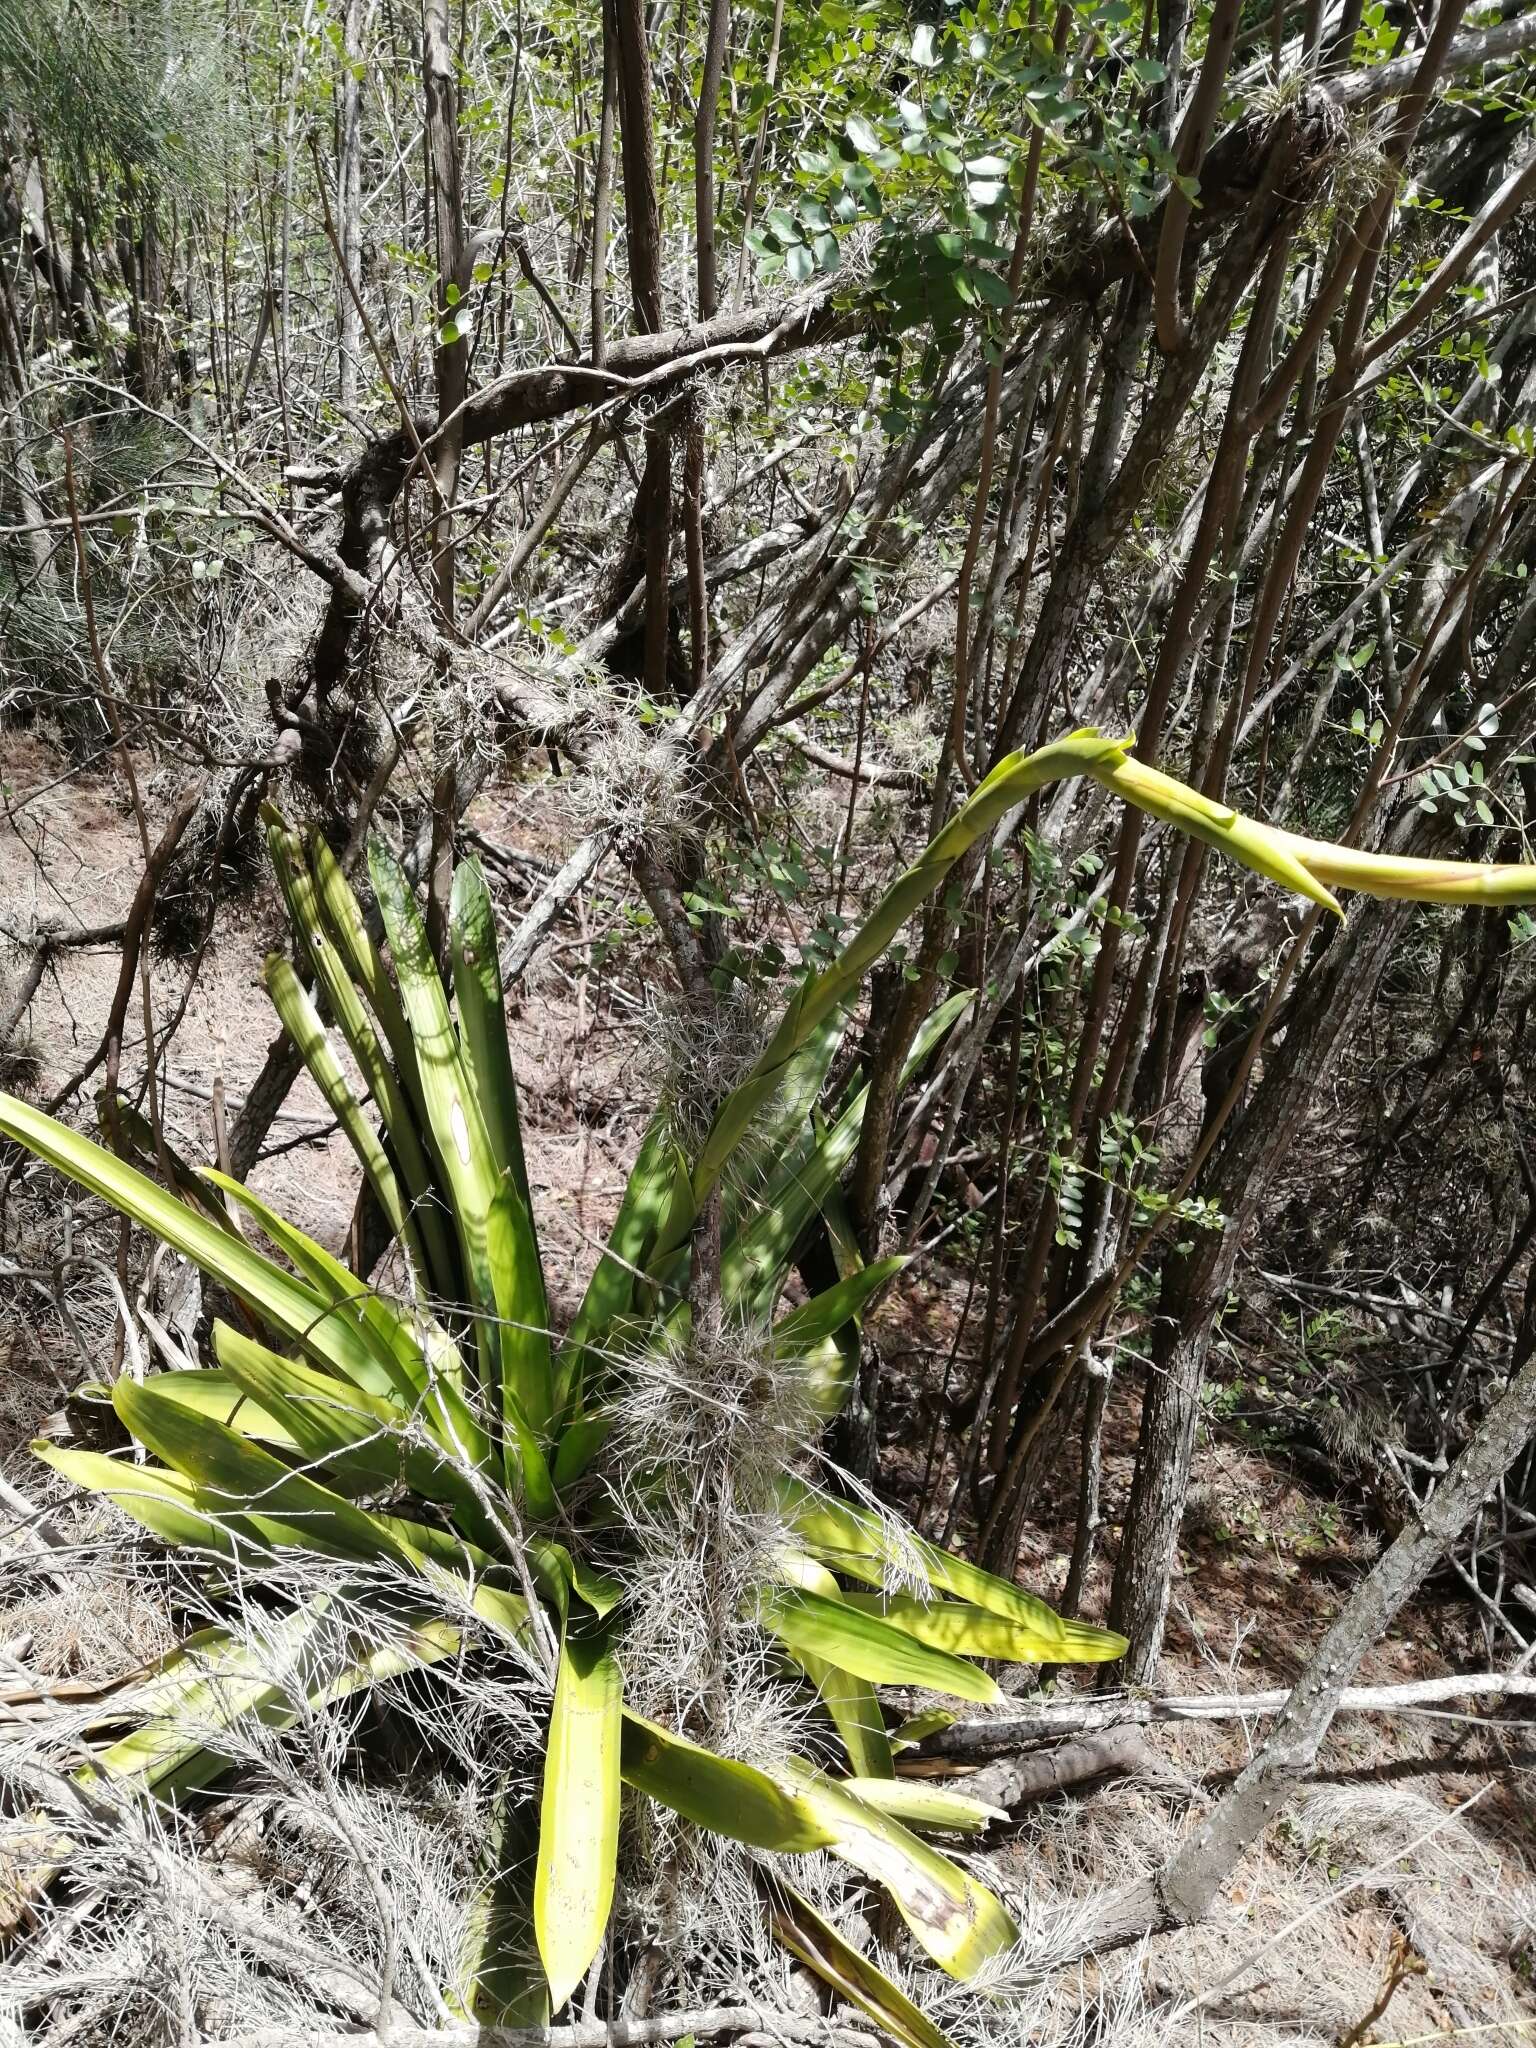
column 301, row 1020
column 416, row 1362
column 137, row 1137
column 855, row 1709
column 266, row 1288
column 921, row 1804
column 207, row 1390
column 822, row 994
column 976, row 1632
column 681, row 1213
column 391, row 1077
column 359, row 1436
column 611, row 1290
column 362, row 963
column 232, row 1475
column 805, row 1329
column 217, row 1679
column 164, row 1503
column 717, row 1792
column 483, row 1019
column 755, row 1263
column 453, row 1113
column 918, row 1727
column 782, row 1121
column 579, row 1813
column 848, row 1698
column 863, row 1545
column 959, row 1922
column 812, row 1624
column 522, row 1310
column 504, row 1985
column 817, row 1943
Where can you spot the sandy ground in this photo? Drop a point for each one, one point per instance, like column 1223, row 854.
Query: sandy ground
column 70, row 855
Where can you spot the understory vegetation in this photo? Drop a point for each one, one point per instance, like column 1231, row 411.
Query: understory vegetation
column 767, row 1233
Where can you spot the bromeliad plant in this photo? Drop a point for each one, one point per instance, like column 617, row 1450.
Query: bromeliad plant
column 442, row 1448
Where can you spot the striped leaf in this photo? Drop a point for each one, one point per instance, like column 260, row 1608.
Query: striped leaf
column 388, row 1066
column 817, row 1943
column 453, row 1114
column 579, row 1813
column 812, row 1624
column 975, row 1632
column 862, row 1545
column 954, row 1916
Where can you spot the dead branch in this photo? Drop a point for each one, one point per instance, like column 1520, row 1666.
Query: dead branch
column 135, row 930
column 49, row 940
column 1014, row 1781
column 1006, row 1733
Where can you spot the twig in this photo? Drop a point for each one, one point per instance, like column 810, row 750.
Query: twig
column 873, row 772
column 46, row 943
column 135, row 929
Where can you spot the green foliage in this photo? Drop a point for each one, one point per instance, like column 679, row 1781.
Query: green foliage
column 118, row 93
column 922, row 131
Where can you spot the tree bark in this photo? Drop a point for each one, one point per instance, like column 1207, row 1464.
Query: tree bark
column 349, row 222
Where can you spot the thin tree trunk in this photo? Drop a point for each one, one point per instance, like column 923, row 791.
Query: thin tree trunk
column 704, row 156
column 439, row 72
column 602, row 191
column 349, row 224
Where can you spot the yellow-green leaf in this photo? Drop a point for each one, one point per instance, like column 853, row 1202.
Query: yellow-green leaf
column 816, row 1943
column 922, row 1804
column 233, row 1476
column 165, row 1503
column 363, row 1437
column 579, row 1814
column 483, row 1020
column 811, row 1623
column 264, row 1286
column 717, row 1792
column 849, row 1699
column 415, row 1361
column 864, row 1545
column 803, row 1329
column 336, row 963
column 458, row 1128
column 970, row 1631
column 504, row 1985
column 522, row 1319
column 958, row 1921
column 301, row 1020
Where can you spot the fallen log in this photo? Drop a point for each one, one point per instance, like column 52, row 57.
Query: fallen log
column 1015, row 1781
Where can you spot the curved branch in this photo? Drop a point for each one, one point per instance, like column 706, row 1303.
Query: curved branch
column 642, row 364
